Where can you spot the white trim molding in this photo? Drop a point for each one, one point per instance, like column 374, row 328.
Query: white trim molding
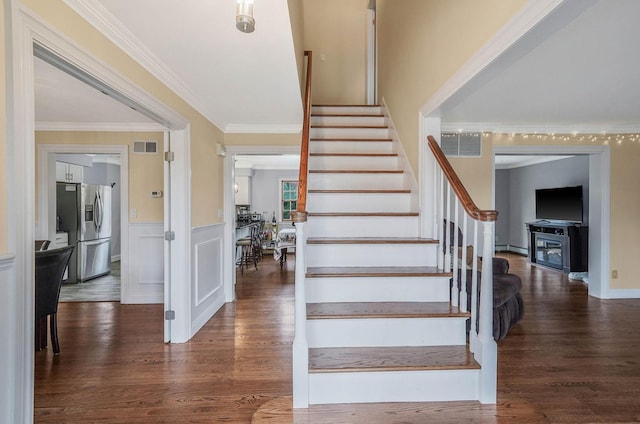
column 623, row 294
column 207, row 283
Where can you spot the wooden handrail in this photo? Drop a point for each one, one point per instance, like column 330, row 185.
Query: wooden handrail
column 465, row 199
column 301, row 214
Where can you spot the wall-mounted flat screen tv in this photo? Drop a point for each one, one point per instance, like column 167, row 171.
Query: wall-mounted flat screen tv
column 559, row 204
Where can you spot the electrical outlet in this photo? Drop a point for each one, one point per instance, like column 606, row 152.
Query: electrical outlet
column 614, row 273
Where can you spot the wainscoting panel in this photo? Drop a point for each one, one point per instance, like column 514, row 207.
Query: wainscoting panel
column 207, row 290
column 146, row 264
column 10, row 348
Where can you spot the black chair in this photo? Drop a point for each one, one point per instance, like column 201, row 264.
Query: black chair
column 50, row 267
column 42, row 245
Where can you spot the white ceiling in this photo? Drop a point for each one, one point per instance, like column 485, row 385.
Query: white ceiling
column 240, row 82
column 64, row 101
column 576, row 71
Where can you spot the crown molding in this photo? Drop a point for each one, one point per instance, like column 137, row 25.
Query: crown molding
column 263, row 129
column 98, row 16
column 99, row 126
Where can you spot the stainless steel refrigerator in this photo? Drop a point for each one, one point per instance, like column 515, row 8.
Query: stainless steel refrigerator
column 84, row 210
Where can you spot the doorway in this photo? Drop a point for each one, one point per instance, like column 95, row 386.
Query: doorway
column 27, row 29
column 598, row 194
column 105, row 165
column 266, row 200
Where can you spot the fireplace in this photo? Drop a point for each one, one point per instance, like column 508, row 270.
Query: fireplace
column 549, row 251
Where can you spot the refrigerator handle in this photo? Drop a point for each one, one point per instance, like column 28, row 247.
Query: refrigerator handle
column 96, row 213
column 101, row 209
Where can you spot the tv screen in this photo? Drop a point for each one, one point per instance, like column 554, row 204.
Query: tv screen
column 560, row 204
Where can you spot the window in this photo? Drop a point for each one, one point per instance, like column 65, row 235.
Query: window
column 288, row 199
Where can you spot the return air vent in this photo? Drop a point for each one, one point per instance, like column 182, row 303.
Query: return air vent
column 462, row 144
column 145, row 147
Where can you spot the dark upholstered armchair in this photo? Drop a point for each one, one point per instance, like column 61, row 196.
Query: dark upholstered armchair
column 508, row 307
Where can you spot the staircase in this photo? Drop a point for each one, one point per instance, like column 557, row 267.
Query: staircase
column 379, row 325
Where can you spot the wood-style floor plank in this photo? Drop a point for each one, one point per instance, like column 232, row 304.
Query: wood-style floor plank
column 572, row 359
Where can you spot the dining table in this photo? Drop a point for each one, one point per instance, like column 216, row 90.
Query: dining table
column 286, row 238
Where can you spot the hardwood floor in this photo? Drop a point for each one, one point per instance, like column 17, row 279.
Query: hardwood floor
column 571, row 359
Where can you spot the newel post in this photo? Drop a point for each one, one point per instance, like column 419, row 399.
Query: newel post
column 300, row 343
column 488, row 347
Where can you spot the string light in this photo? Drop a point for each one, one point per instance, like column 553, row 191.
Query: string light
column 602, row 137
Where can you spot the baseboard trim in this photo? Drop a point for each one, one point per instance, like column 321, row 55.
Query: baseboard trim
column 623, row 294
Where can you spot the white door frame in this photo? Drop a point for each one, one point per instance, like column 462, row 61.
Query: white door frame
column 230, row 207
column 45, row 227
column 27, row 29
column 599, row 204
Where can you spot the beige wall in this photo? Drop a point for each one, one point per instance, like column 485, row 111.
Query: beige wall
column 206, row 167
column 145, row 171
column 337, row 30
column 475, row 173
column 3, row 140
column 624, row 200
column 296, row 17
column 421, row 44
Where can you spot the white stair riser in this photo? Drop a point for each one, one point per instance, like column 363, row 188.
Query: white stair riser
column 316, row 146
column 387, row 163
column 359, row 202
column 348, row 120
column 362, row 133
column 404, row 386
column 372, row 226
column 374, row 332
column 347, row 110
column 326, row 255
column 377, row 289
column 355, row 181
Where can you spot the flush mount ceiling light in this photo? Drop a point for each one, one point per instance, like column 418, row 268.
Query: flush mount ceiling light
column 244, row 16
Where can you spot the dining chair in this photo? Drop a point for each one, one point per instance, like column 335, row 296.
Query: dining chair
column 49, row 269
column 42, row 244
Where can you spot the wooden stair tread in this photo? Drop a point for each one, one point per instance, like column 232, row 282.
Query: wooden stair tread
column 356, row 154
column 377, row 271
column 370, row 240
column 371, row 106
column 349, row 115
column 368, row 310
column 381, row 359
column 374, row 191
column 362, row 214
column 356, row 171
column 339, row 139
column 365, row 127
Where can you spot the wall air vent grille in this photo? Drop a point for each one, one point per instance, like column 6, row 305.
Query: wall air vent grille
column 149, row 147
column 462, row 144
